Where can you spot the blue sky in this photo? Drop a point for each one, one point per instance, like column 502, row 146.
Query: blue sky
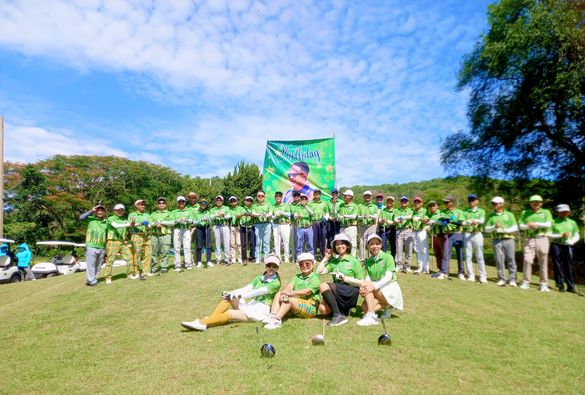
column 199, row 86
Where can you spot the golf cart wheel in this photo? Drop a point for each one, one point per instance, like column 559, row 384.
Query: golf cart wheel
column 15, row 278
column 51, row 275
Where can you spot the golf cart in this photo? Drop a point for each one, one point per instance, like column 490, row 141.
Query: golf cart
column 60, row 264
column 9, row 272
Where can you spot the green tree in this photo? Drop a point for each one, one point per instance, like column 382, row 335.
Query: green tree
column 526, row 78
column 245, row 179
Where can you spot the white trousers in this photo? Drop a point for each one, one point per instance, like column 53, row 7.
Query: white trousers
column 421, row 248
column 182, row 237
column 221, row 234
column 351, row 232
column 281, row 233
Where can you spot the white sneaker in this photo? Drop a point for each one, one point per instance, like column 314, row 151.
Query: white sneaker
column 501, row 283
column 177, row 269
column 408, row 270
column 108, row 280
column 543, row 288
column 273, row 324
column 210, row 264
column 461, row 276
column 133, row 277
column 369, row 319
column 199, row 265
column 483, row 279
column 194, row 326
column 525, row 285
column 439, row 276
column 189, row 267
column 471, row 278
column 150, row 274
column 513, row 283
column 417, row 271
column 386, row 313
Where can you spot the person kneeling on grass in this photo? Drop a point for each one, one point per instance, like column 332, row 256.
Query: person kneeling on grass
column 341, row 295
column 300, row 297
column 260, row 293
column 380, row 288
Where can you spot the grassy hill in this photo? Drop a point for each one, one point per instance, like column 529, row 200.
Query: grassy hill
column 59, row 336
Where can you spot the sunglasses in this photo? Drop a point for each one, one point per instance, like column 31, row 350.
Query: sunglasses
column 260, row 196
column 272, row 265
column 293, row 175
column 162, row 202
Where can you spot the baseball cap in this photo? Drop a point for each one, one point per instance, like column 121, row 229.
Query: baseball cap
column 119, row 206
column 378, row 195
column 390, row 197
column 139, row 201
column 219, row 197
column 404, row 198
column 305, row 256
column 498, row 199
column 341, row 237
column 372, row 237
column 249, row 198
column 348, row 192
column 563, row 208
column 161, row 198
column 432, row 203
column 181, row 198
column 335, row 190
column 472, row 196
column 535, row 198
column 417, row 197
column 277, row 193
column 232, row 198
column 99, row 205
column 203, row 202
column 272, row 259
column 448, row 198
column 317, row 191
column 368, row 193
column 296, row 193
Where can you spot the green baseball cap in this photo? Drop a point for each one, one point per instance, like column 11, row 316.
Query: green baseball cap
column 535, row 198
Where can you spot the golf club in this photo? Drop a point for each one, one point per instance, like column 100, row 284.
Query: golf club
column 385, row 339
column 319, row 340
column 267, row 350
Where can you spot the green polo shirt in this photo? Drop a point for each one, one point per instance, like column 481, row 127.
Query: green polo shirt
column 215, row 215
column 377, row 266
column 406, row 215
column 162, row 216
column 182, row 215
column 281, row 213
column 319, row 209
column 417, row 217
column 138, row 218
column 477, row 214
column 333, row 208
column 562, row 225
column 117, row 234
column 455, row 215
column 234, row 213
column 302, row 216
column 97, row 230
column 273, row 285
column 436, row 227
column 263, row 210
column 368, row 213
column 312, row 282
column 387, row 217
column 543, row 217
column 246, row 219
column 506, row 219
column 201, row 217
column 347, row 209
column 347, row 265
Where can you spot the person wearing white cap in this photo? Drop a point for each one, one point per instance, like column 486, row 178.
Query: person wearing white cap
column 235, row 241
column 565, row 233
column 262, row 213
column 473, row 238
column 118, row 242
column 162, row 230
column 140, row 236
column 300, row 297
column 281, row 226
column 220, row 218
column 404, row 235
column 341, row 295
column 420, row 237
column 502, row 225
column 380, row 288
column 369, row 213
column 348, row 216
column 182, row 234
column 249, row 303
column 536, row 223
column 387, row 227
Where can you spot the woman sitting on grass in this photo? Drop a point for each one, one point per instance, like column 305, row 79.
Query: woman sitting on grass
column 301, row 297
column 260, row 293
column 380, row 288
column 342, row 294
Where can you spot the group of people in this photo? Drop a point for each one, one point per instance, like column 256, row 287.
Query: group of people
column 250, row 232
column 305, row 296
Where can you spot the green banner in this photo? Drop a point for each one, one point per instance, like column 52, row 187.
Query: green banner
column 299, row 165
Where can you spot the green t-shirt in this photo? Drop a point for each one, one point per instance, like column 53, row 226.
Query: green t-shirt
column 273, row 285
column 246, row 219
column 477, row 214
column 562, row 225
column 347, row 265
column 456, row 218
column 312, row 282
column 368, row 213
column 215, row 214
column 96, row 232
column 403, row 218
column 138, row 218
column 161, row 216
column 281, row 213
column 347, row 209
column 377, row 266
column 436, row 227
column 508, row 225
column 543, row 217
column 387, row 217
column 417, row 217
column 319, row 209
column 264, row 211
column 200, row 217
column 182, row 216
column 234, row 212
column 302, row 216
column 333, row 208
column 117, row 234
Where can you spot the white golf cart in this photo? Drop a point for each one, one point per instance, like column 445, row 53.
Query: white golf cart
column 9, row 272
column 60, row 264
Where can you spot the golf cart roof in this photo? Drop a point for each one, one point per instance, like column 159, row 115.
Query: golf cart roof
column 6, row 241
column 57, row 243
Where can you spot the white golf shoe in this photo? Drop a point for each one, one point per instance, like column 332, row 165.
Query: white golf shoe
column 501, row 283
column 513, row 283
column 483, row 279
column 543, row 288
column 461, row 276
column 525, row 285
column 194, row 325
column 199, row 265
column 369, row 319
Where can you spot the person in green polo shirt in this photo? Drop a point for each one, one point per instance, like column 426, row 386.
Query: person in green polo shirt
column 303, row 220
column 140, row 236
column 420, row 236
column 235, row 241
column 118, row 242
column 473, row 238
column 95, row 241
column 341, row 295
column 281, row 213
column 220, row 218
column 452, row 220
column 502, row 225
column 565, row 233
column 387, row 228
column 247, row 235
column 202, row 233
column 404, row 235
column 367, row 222
column 182, row 234
column 536, row 223
column 347, row 214
column 162, row 229
column 300, row 297
column 320, row 228
column 249, row 303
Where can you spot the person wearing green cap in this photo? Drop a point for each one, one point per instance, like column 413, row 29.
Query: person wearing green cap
column 95, row 241
column 565, row 234
column 281, row 227
column 502, row 225
column 118, row 242
column 536, row 223
column 202, row 234
column 162, row 229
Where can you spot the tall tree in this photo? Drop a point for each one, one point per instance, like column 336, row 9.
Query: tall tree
column 526, row 78
column 246, row 179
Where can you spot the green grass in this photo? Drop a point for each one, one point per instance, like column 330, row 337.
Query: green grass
column 59, row 336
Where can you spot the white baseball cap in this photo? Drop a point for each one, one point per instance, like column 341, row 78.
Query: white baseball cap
column 306, row 256
column 139, row 201
column 372, row 237
column 119, row 207
column 348, row 192
column 341, row 237
column 563, row 207
column 219, row 197
column 181, row 198
column 368, row 193
column 498, row 199
column 272, row 259
column 232, row 198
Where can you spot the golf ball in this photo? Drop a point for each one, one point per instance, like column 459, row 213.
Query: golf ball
column 318, row 340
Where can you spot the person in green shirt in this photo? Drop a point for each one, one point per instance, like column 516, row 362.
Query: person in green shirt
column 95, row 241
column 162, row 228
column 436, row 230
column 333, row 224
column 220, row 218
column 320, row 228
column 536, row 223
column 249, row 303
column 296, row 201
column 140, row 235
column 348, row 216
column 341, row 295
column 565, row 233
column 502, row 225
column 420, row 236
column 182, row 234
column 247, row 235
column 404, row 235
column 281, row 226
column 235, row 240
column 473, row 238
column 118, row 242
column 202, row 234
column 452, row 220
column 387, row 230
column 300, row 297
column 380, row 288
column 369, row 213
column 192, row 201
column 262, row 213
column 303, row 219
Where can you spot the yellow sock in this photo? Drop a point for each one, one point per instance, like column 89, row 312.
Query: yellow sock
column 222, row 307
column 216, row 319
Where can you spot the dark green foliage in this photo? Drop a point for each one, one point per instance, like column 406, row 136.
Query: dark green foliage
column 246, row 179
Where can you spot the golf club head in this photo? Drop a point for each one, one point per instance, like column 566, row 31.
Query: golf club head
column 318, row 340
column 267, row 350
column 385, row 340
